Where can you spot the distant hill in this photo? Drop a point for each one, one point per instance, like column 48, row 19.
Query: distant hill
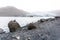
column 41, row 14
column 12, row 11
column 57, row 12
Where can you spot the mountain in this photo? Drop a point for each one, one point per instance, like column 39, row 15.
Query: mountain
column 14, row 12
column 41, row 14
column 11, row 11
column 57, row 12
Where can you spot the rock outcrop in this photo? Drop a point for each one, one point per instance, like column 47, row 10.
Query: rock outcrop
column 31, row 26
column 13, row 26
column 49, row 30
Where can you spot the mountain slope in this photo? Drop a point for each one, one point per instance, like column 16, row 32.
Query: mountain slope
column 11, row 11
column 57, row 12
column 41, row 14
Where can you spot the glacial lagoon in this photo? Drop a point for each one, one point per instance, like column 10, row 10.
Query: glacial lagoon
column 21, row 20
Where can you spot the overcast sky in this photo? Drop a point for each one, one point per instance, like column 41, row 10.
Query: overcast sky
column 32, row 5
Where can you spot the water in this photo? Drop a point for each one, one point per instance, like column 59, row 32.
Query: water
column 21, row 20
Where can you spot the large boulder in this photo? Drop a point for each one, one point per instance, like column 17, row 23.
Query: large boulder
column 13, row 26
column 31, row 26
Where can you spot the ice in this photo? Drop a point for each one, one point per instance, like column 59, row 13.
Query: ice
column 21, row 20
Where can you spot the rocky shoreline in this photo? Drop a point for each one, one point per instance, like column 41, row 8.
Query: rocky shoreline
column 46, row 29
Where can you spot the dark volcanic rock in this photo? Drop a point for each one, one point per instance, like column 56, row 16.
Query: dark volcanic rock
column 48, row 30
column 31, row 26
column 57, row 17
column 13, row 26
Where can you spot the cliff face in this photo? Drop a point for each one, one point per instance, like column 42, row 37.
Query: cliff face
column 47, row 30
